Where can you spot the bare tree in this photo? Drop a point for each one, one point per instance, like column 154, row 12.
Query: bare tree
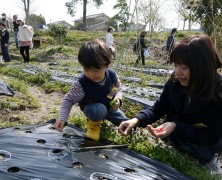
column 187, row 9
column 26, row 5
column 149, row 13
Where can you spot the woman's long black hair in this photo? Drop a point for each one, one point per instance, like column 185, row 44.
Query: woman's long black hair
column 199, row 54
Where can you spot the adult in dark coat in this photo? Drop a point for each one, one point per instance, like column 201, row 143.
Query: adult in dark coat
column 191, row 102
column 170, row 41
column 5, row 42
column 139, row 47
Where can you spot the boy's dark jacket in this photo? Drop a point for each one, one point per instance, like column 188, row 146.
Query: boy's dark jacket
column 95, row 93
column 199, row 122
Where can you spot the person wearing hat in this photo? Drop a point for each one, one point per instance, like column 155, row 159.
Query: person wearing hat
column 5, row 42
column 25, row 35
column 4, row 20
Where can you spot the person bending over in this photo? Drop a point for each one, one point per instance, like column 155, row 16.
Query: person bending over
column 98, row 90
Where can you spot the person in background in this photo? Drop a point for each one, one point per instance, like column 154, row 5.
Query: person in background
column 191, row 103
column 25, row 35
column 5, row 21
column 109, row 41
column 139, row 48
column 16, row 29
column 170, row 41
column 5, row 42
column 98, row 90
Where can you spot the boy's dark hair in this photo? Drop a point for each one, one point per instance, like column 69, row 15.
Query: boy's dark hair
column 199, row 54
column 173, row 30
column 110, row 28
column 94, row 54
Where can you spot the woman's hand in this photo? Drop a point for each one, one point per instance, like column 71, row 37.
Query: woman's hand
column 125, row 126
column 59, row 125
column 163, row 130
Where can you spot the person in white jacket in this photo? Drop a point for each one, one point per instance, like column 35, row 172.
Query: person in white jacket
column 109, row 41
column 25, row 35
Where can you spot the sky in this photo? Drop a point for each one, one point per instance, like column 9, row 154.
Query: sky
column 55, row 10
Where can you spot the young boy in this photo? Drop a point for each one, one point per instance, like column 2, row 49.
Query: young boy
column 4, row 42
column 97, row 90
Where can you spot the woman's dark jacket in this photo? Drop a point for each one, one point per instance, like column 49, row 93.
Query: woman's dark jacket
column 140, row 44
column 199, row 122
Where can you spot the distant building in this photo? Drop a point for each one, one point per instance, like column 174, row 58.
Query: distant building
column 42, row 26
column 63, row 23
column 101, row 22
column 96, row 21
column 135, row 27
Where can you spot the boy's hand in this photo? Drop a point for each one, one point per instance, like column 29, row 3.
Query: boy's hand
column 115, row 104
column 59, row 125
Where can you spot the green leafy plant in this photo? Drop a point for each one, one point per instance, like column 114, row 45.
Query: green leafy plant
column 58, row 31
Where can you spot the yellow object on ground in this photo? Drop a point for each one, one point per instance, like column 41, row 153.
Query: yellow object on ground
column 93, row 130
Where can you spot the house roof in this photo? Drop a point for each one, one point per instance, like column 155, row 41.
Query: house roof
column 60, row 22
column 97, row 24
column 93, row 16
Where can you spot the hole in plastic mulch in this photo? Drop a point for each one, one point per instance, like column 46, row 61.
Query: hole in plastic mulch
column 77, row 165
column 52, row 127
column 57, row 151
column 103, row 156
column 16, row 128
column 2, row 156
column 41, row 141
column 28, row 131
column 102, row 176
column 14, row 169
column 128, row 170
column 71, row 136
column 67, row 135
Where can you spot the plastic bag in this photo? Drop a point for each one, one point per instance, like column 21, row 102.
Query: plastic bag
column 113, row 49
column 146, row 53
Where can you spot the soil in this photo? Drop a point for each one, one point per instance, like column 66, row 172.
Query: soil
column 49, row 107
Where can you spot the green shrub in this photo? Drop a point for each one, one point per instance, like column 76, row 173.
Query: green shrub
column 58, row 31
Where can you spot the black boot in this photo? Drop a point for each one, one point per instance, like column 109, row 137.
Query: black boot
column 137, row 62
